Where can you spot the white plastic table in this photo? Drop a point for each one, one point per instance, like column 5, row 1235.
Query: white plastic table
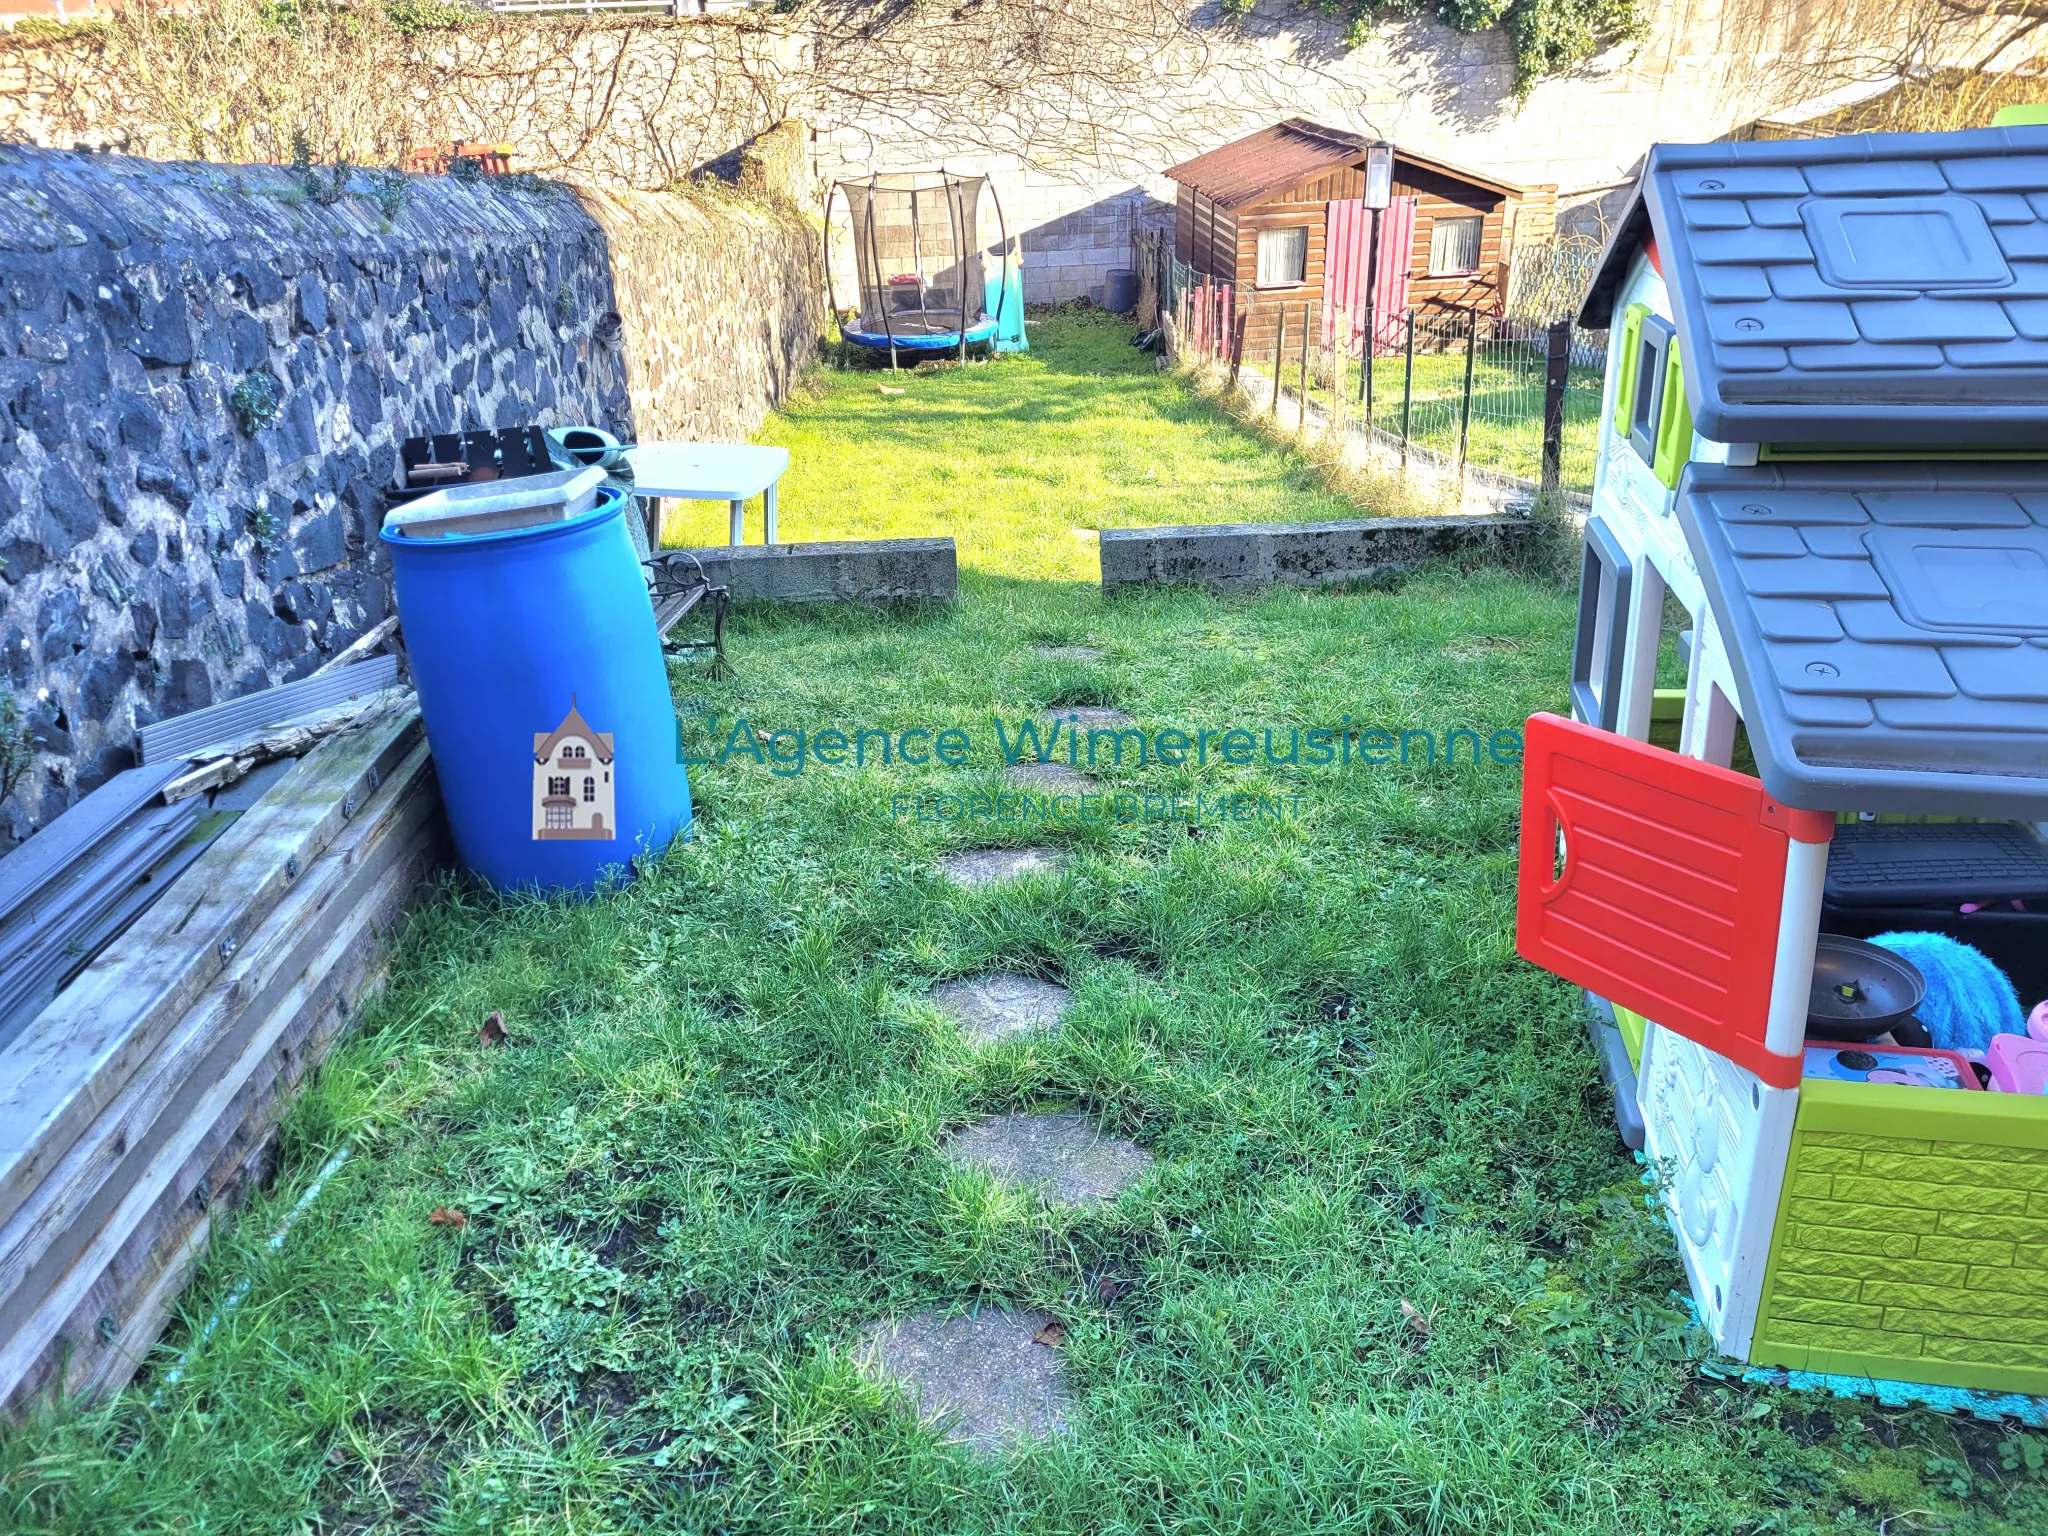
column 729, row 472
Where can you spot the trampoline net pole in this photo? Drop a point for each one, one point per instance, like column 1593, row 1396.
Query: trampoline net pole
column 954, row 189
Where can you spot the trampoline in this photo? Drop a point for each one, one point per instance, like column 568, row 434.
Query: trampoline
column 917, row 251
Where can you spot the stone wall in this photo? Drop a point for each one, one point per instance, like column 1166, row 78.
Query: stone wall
column 164, row 549
column 721, row 301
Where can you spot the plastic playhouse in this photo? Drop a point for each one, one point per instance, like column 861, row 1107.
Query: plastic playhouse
column 1810, row 883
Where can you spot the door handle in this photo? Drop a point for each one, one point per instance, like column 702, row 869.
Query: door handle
column 1559, row 834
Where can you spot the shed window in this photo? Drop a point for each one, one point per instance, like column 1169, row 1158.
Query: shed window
column 1454, row 245
column 1283, row 256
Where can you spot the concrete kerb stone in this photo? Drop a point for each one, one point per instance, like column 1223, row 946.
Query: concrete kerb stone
column 1240, row 556
column 852, row 571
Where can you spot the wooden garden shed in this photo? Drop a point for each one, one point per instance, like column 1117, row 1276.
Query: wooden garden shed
column 1279, row 215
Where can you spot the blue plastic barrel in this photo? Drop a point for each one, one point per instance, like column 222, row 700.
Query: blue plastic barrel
column 545, row 696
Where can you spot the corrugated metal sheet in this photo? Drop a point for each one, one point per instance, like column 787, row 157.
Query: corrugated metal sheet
column 1344, row 257
column 1269, row 161
column 240, row 719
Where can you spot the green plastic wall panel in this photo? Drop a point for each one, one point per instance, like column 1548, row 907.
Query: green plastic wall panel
column 1912, row 1239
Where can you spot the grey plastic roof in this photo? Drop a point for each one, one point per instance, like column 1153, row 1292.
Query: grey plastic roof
column 1878, row 288
column 1888, row 628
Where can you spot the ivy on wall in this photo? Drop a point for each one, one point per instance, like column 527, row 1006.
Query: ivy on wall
column 1548, row 36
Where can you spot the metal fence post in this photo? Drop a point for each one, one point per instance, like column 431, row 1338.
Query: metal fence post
column 1557, row 367
column 1465, row 409
column 1279, row 342
column 1338, row 346
column 1407, row 386
column 1301, row 404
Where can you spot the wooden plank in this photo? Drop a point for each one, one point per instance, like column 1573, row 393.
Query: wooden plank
column 108, row 1334
column 68, row 1064
column 141, row 1286
column 358, row 648
column 54, row 1291
column 41, row 1239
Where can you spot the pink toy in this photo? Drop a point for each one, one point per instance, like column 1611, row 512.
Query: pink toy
column 2018, row 1064
column 2037, row 1021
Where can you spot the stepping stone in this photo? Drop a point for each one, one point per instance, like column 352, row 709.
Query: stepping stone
column 991, row 866
column 1002, row 1005
column 984, row 1376
column 1087, row 717
column 1069, row 652
column 1063, row 1156
column 1049, row 779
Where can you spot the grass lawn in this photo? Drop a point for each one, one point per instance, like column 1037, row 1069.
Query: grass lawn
column 1392, row 1271
column 1020, row 460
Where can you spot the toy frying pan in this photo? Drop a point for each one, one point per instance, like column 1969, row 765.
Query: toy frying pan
column 1861, row 990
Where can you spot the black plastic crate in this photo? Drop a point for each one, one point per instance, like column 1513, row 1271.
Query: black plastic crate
column 1907, row 864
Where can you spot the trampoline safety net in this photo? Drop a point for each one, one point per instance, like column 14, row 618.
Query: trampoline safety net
column 917, row 248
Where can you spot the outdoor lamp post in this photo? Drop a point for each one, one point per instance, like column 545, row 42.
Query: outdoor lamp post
column 1379, row 193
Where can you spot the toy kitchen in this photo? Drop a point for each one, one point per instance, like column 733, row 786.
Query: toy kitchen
column 1809, row 889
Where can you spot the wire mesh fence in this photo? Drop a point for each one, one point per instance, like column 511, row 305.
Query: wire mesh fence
column 1517, row 394
column 1472, row 388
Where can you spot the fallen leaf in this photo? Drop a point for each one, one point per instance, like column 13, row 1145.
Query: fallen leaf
column 493, row 1032
column 1052, row 1335
column 447, row 1216
column 1109, row 1291
column 884, row 389
column 1414, row 1316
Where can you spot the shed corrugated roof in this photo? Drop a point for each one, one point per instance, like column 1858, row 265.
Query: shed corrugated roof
column 1880, row 288
column 1253, row 168
column 1269, row 161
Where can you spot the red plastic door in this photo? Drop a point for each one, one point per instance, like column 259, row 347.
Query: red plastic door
column 1655, row 880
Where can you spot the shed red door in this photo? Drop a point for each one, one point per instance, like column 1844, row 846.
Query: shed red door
column 1346, row 235
column 1655, row 880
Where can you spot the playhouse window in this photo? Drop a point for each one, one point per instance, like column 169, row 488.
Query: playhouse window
column 1283, row 256
column 558, row 786
column 1454, row 246
column 1646, row 411
column 589, row 790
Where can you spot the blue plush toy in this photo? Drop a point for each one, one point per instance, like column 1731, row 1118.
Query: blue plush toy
column 1968, row 998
